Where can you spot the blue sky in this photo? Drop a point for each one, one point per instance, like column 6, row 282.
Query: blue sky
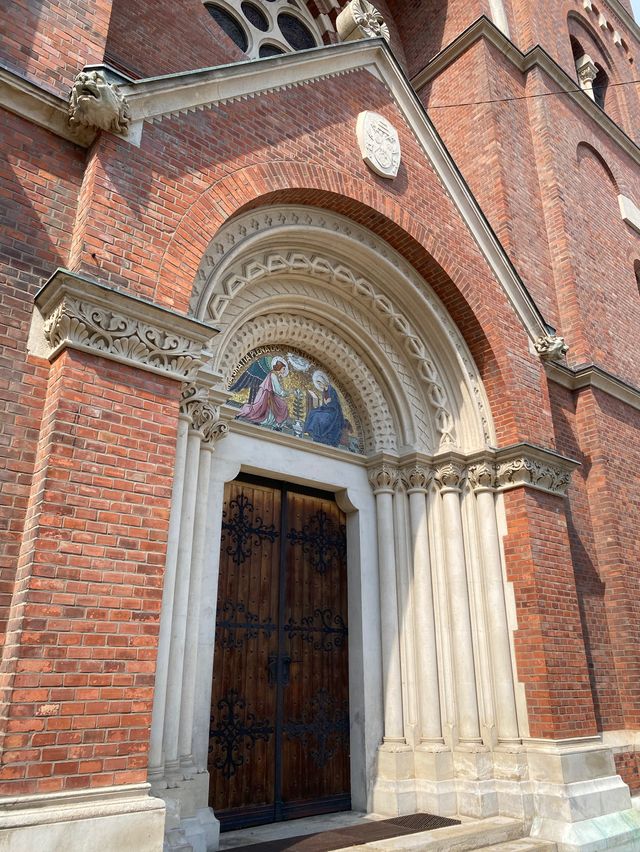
column 636, row 9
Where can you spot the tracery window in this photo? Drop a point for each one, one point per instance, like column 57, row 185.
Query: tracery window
column 263, row 28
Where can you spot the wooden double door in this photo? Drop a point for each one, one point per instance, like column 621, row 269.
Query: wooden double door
column 279, row 735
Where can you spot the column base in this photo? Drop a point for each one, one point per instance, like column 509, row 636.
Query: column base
column 580, row 803
column 435, row 788
column 109, row 819
column 199, row 833
column 394, row 791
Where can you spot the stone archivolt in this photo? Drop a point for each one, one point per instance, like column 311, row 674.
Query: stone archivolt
column 330, row 251
column 360, row 290
column 319, row 341
column 365, row 336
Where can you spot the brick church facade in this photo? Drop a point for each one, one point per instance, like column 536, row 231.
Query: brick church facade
column 316, row 314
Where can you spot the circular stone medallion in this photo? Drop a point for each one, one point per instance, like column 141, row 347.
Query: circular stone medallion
column 379, row 144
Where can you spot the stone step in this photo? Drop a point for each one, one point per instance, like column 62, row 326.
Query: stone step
column 481, row 834
column 525, row 844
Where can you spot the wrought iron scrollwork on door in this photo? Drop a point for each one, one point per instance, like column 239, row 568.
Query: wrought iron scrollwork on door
column 324, row 630
column 236, row 733
column 325, row 727
column 243, row 529
column 322, row 540
column 236, row 623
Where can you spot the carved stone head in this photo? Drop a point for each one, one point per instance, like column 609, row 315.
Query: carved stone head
column 95, row 102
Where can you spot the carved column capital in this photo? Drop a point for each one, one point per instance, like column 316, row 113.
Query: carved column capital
column 416, row 477
column 587, row 73
column 202, row 413
column 449, row 476
column 482, row 475
column 384, row 478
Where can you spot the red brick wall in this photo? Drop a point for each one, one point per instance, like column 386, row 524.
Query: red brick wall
column 138, row 42
column 574, row 434
column 628, row 766
column 51, row 40
column 79, row 662
column 549, row 644
column 550, row 200
column 428, row 26
column 493, row 147
column 39, row 180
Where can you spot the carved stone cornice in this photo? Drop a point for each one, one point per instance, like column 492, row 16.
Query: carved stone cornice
column 78, row 313
column 203, row 413
column 534, row 467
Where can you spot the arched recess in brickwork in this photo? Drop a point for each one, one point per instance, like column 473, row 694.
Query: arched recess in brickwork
column 320, row 282
column 584, row 149
column 469, row 292
column 600, row 239
column 584, row 40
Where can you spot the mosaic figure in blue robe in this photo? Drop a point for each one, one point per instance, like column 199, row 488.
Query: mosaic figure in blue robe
column 325, row 423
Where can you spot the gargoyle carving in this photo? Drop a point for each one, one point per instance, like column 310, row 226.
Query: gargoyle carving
column 97, row 103
column 550, row 347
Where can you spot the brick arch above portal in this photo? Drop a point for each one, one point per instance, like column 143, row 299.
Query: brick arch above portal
column 453, row 267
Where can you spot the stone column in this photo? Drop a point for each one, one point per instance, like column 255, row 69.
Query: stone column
column 205, row 418
column 482, row 479
column 156, row 753
column 192, row 397
column 449, row 478
column 417, row 478
column 587, row 73
column 384, row 480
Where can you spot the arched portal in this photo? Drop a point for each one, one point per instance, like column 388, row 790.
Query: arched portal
column 433, row 703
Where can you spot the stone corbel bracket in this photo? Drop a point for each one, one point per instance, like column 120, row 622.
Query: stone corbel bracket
column 96, row 103
column 73, row 311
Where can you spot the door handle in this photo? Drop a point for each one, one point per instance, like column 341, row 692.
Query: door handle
column 279, row 674
column 272, row 669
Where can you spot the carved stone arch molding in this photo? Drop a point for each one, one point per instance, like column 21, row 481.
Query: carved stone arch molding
column 297, row 243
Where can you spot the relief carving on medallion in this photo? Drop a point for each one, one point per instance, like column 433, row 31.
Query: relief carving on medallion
column 379, row 144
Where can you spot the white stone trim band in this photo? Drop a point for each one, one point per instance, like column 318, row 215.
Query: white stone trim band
column 75, row 312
